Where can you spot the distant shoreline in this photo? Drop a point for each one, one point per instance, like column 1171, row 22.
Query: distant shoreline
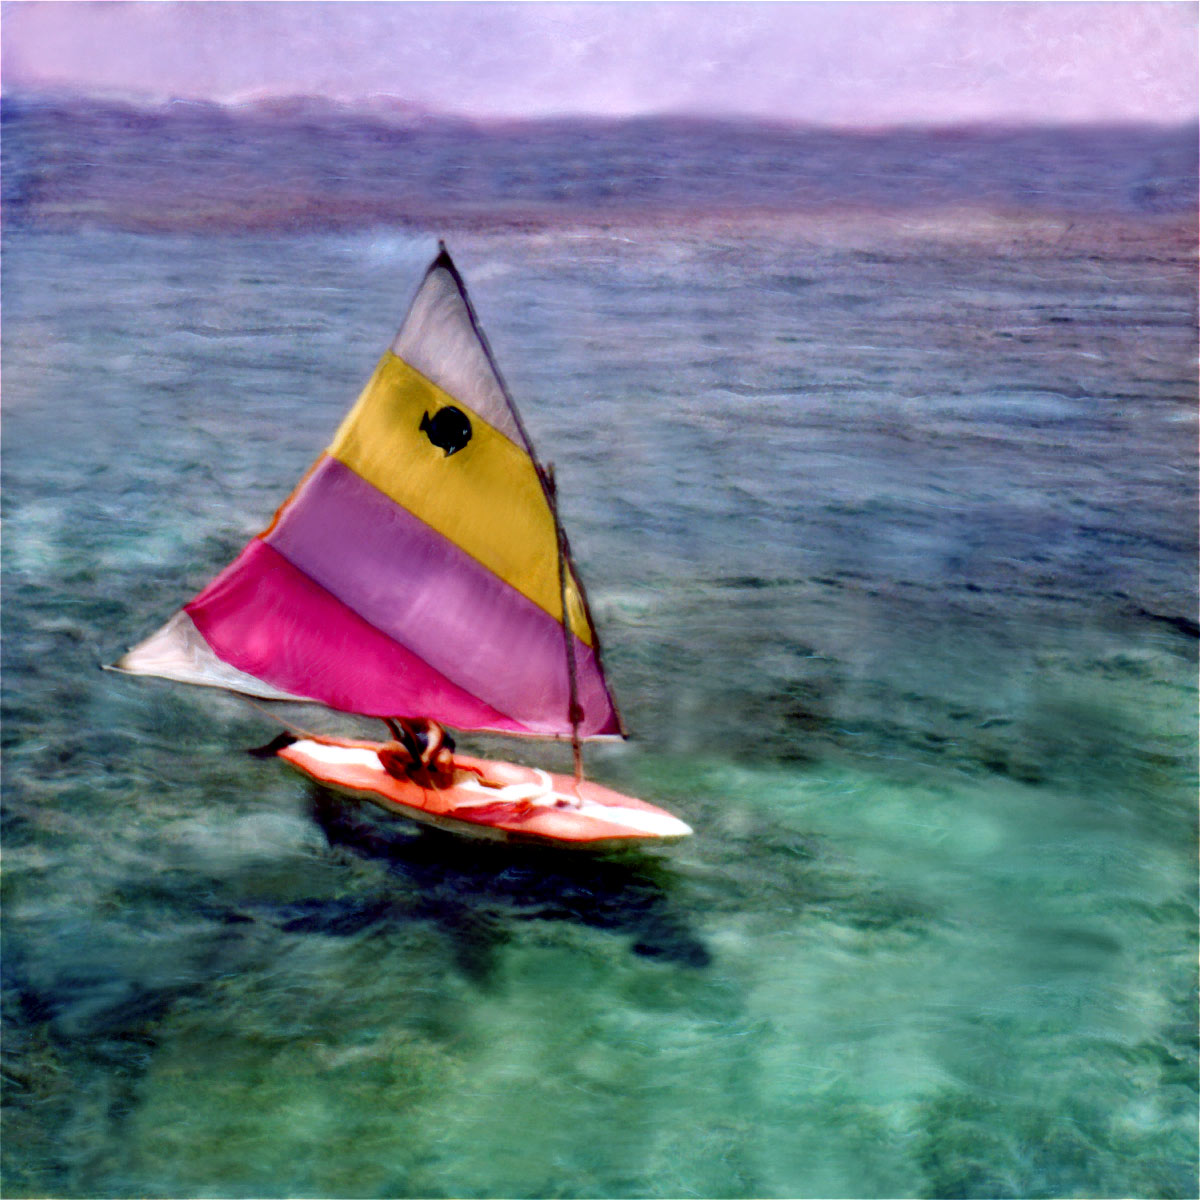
column 197, row 168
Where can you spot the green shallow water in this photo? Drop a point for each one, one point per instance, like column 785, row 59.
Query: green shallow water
column 913, row 654
column 847, row 985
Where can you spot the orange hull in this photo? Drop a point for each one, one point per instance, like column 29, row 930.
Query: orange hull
column 494, row 800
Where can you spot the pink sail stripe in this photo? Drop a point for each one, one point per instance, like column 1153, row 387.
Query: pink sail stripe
column 415, row 585
column 263, row 616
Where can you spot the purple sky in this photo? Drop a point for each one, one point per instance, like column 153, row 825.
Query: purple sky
column 830, row 63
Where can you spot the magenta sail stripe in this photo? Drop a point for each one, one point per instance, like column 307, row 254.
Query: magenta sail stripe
column 270, row 620
column 419, row 588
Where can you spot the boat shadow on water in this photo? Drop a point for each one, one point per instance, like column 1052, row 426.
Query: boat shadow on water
column 473, row 891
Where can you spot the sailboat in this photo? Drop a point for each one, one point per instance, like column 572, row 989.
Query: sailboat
column 419, row 570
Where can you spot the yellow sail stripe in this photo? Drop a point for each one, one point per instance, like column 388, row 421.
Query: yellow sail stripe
column 486, row 497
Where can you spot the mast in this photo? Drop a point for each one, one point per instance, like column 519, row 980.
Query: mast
column 573, row 710
column 550, row 487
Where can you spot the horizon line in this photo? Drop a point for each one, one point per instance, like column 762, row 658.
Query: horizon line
column 378, row 104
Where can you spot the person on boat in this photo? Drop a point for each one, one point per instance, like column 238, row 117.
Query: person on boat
column 421, row 751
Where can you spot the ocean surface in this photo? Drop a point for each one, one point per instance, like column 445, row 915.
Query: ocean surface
column 888, row 517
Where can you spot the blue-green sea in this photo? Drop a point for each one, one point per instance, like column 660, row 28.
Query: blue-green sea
column 889, row 529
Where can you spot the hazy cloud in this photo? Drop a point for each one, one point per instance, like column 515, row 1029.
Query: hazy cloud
column 823, row 62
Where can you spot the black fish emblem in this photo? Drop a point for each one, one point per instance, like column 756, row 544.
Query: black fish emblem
column 448, row 429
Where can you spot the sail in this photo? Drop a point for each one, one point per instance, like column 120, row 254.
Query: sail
column 418, row 569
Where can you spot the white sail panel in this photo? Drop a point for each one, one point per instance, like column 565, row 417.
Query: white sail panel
column 178, row 651
column 439, row 339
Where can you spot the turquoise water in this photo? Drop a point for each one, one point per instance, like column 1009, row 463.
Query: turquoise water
column 890, row 533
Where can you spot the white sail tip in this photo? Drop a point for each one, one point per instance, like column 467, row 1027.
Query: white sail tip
column 179, row 652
